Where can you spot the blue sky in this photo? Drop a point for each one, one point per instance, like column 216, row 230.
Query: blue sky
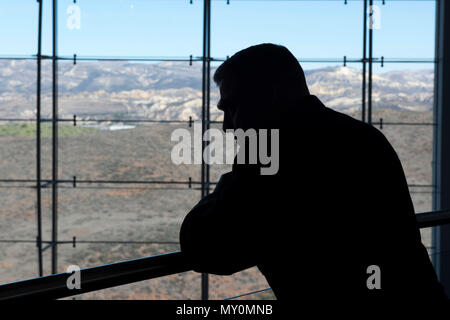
column 310, row 29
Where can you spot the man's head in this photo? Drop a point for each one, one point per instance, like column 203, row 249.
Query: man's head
column 256, row 84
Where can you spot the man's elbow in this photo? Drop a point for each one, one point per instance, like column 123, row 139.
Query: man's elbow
column 192, row 242
column 201, row 258
column 205, row 254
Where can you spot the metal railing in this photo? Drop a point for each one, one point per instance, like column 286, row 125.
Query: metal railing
column 126, row 272
column 96, row 278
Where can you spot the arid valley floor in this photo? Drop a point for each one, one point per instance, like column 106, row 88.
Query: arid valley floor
column 140, row 212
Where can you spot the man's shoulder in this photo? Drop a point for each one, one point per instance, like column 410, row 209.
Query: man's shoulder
column 343, row 120
column 315, row 113
column 331, row 126
column 353, row 126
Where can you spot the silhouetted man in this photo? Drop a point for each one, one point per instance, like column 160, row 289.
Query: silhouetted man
column 335, row 222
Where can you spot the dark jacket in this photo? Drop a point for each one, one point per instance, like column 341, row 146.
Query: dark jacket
column 338, row 204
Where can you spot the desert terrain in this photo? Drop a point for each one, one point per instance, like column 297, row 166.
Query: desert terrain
column 140, row 212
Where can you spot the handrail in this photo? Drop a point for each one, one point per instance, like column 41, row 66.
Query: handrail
column 433, row 218
column 125, row 272
column 96, row 278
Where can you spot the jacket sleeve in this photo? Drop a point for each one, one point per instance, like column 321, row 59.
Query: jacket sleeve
column 223, row 233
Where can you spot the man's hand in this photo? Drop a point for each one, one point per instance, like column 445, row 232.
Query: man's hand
column 224, row 181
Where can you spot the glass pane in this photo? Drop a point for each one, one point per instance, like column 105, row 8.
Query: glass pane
column 18, row 214
column 18, row 232
column 19, row 261
column 146, row 28
column 403, row 92
column 18, row 89
column 17, row 150
column 223, row 287
column 124, row 213
column 47, row 230
column 128, row 90
column 310, row 29
column 141, row 153
column 405, row 30
column 18, row 27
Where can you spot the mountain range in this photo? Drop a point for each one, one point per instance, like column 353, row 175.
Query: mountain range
column 172, row 90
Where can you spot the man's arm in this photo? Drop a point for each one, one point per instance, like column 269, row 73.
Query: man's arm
column 222, row 233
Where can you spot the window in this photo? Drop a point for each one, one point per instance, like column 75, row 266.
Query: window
column 130, row 72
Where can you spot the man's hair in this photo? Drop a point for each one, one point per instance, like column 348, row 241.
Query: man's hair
column 263, row 66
